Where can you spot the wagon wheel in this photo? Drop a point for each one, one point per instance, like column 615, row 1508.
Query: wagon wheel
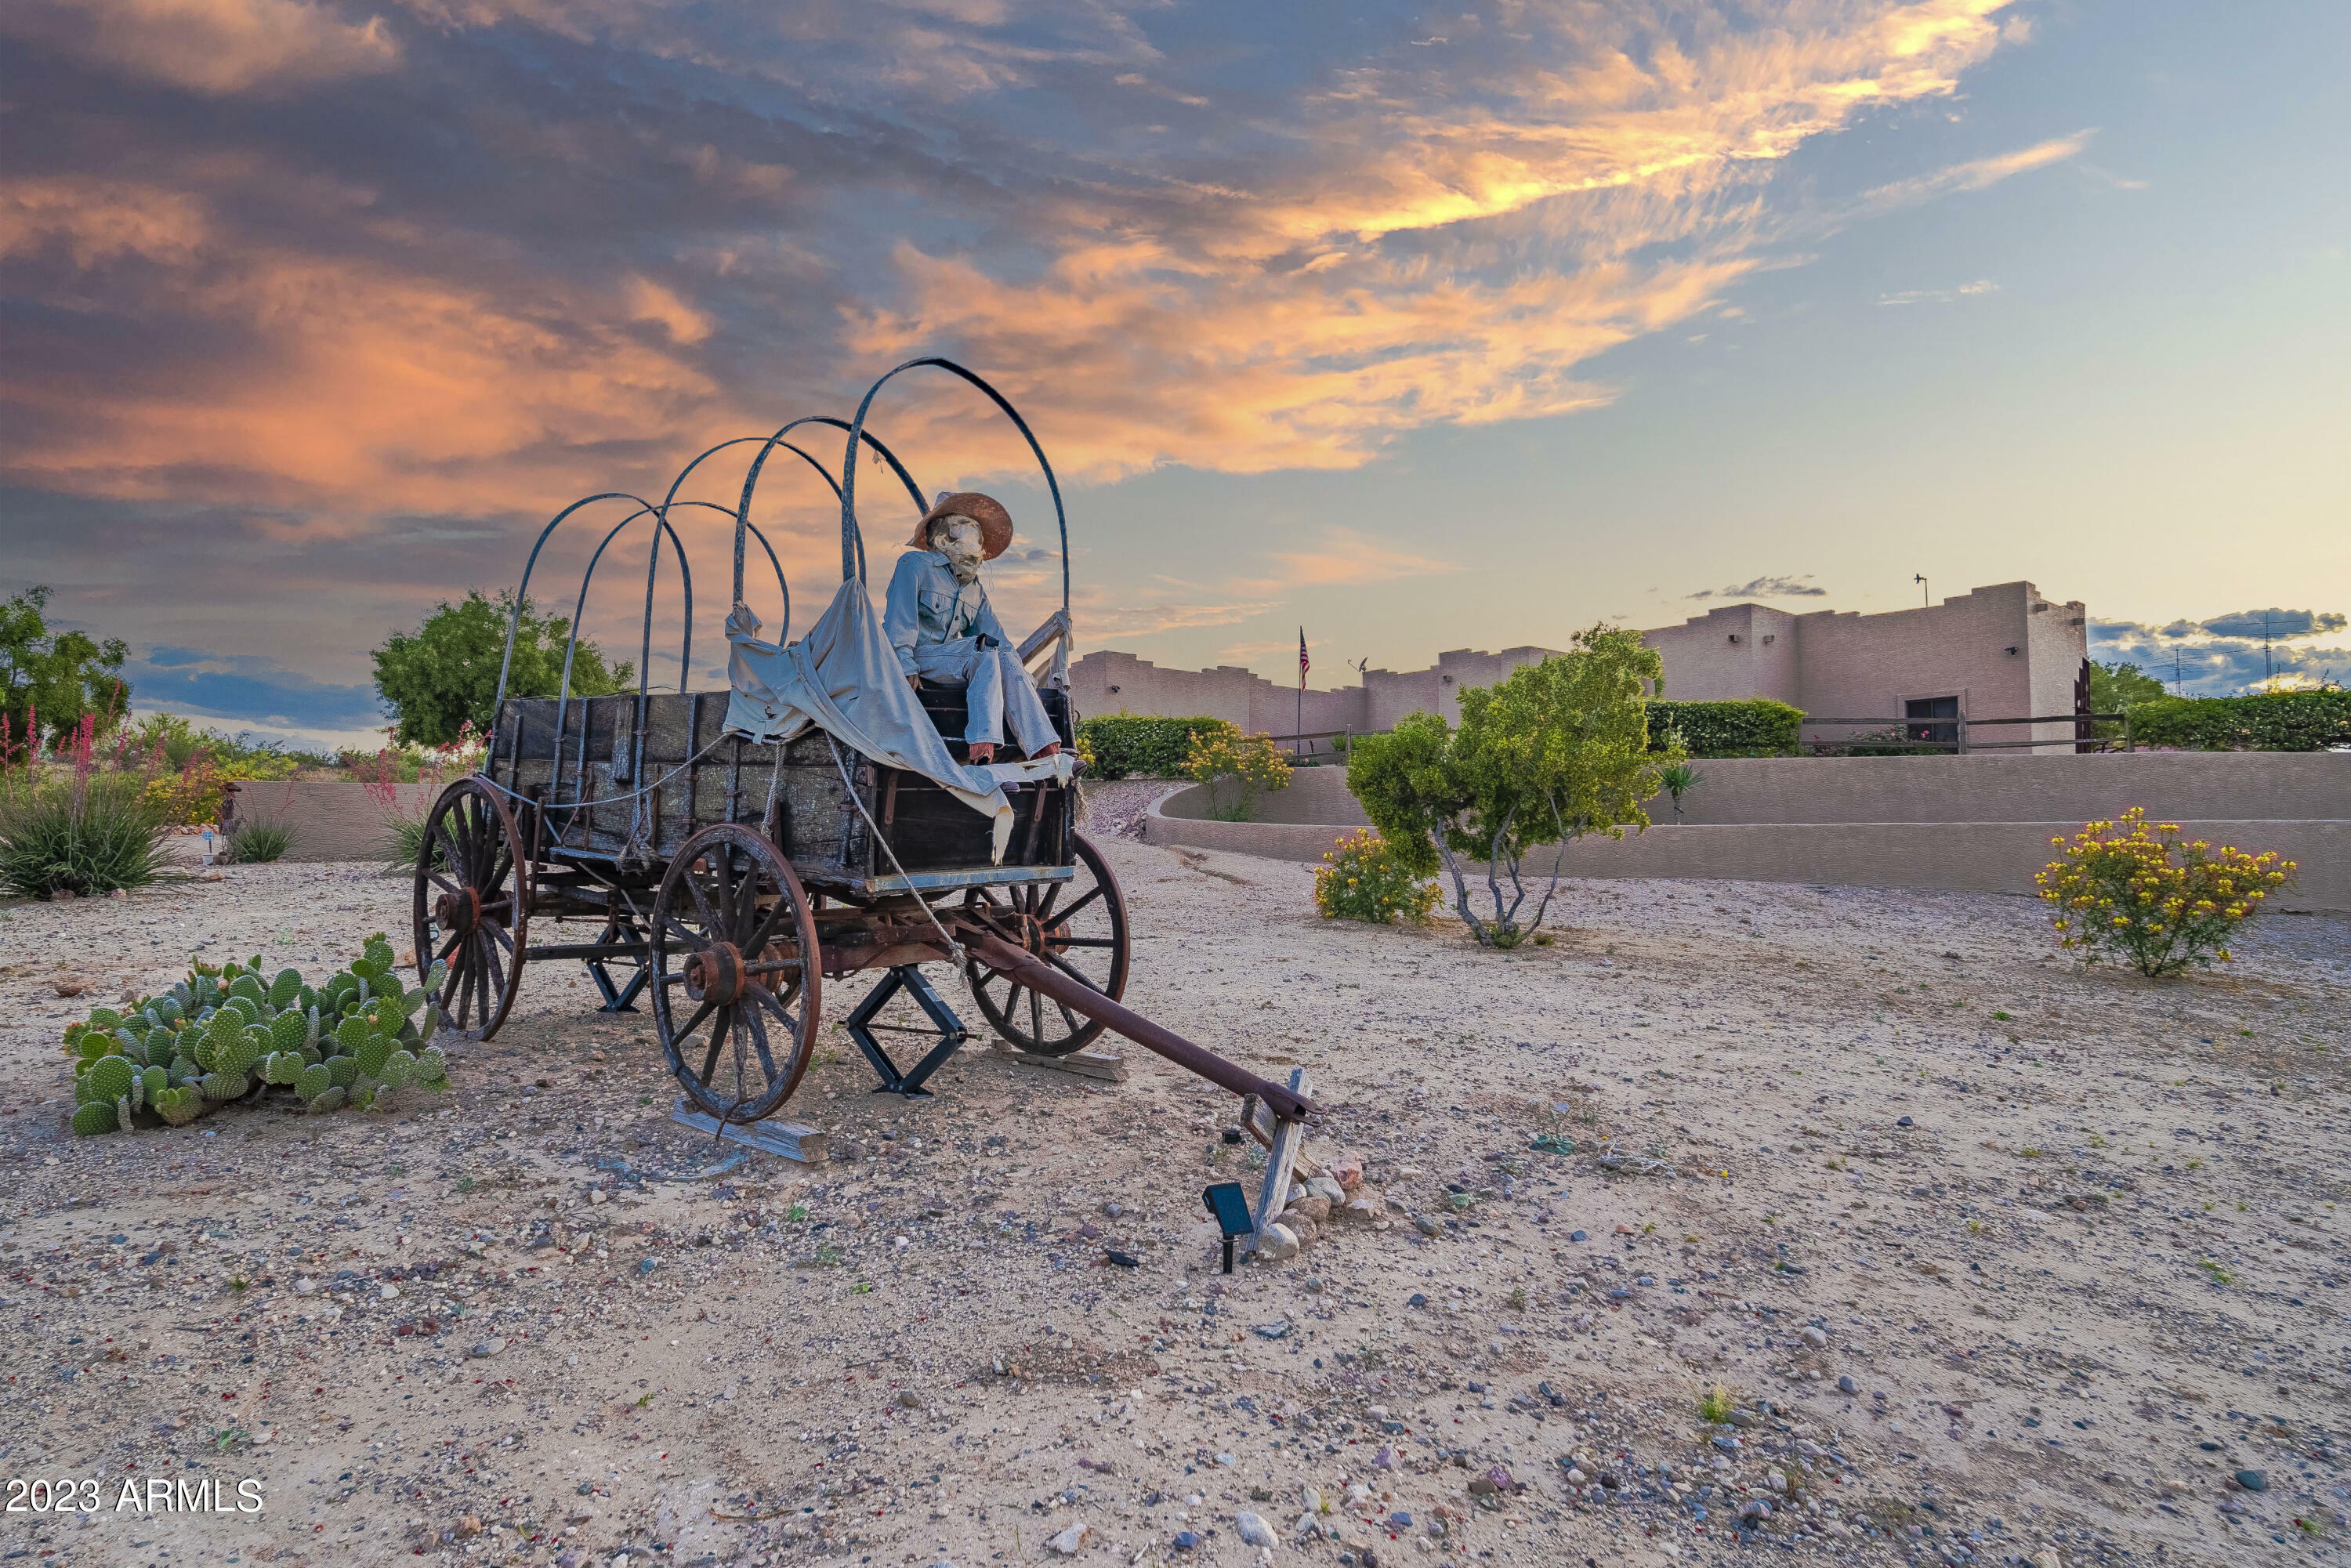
column 471, row 906
column 729, row 928
column 1079, row 926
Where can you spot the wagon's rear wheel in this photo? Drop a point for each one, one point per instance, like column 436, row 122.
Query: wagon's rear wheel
column 1079, row 926
column 471, row 905
column 734, row 1001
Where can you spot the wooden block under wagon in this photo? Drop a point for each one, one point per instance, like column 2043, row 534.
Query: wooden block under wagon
column 1105, row 1066
column 787, row 1140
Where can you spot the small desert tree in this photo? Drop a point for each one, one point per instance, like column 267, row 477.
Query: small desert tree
column 1558, row 750
column 444, row 675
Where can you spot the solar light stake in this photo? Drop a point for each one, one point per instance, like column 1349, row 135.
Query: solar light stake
column 1229, row 1204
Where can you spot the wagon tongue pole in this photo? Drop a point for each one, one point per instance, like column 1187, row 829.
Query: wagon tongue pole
column 1026, row 969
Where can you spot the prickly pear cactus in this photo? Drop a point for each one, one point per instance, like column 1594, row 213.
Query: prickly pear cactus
column 355, row 1041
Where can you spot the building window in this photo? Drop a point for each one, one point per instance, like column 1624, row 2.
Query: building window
column 1918, row 708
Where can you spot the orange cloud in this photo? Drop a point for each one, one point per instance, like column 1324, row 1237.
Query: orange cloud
column 215, row 46
column 1435, row 235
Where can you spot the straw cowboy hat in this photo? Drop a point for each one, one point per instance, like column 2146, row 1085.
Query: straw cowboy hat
column 995, row 522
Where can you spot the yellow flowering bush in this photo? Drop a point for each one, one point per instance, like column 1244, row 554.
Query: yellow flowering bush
column 2128, row 890
column 1361, row 878
column 1236, row 767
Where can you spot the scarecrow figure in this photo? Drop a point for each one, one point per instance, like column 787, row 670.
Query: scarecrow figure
column 939, row 621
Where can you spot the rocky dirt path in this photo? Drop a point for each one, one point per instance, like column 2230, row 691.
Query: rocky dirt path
column 1994, row 1259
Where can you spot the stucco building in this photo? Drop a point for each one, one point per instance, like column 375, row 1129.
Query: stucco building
column 2004, row 652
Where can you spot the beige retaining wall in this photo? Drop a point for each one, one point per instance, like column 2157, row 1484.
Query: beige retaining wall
column 1962, row 824
column 331, row 820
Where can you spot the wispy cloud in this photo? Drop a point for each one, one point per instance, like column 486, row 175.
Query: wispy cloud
column 1975, row 174
column 1766, row 588
column 1939, row 296
column 1346, row 557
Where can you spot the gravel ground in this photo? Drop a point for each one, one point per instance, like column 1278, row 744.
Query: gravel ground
column 2070, row 1243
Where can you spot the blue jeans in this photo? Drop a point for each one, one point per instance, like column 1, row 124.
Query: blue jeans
column 995, row 688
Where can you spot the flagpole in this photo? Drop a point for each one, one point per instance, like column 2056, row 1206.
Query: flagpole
column 1299, row 729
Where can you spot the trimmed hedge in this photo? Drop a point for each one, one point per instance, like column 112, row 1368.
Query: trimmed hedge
column 1131, row 744
column 2273, row 721
column 1757, row 727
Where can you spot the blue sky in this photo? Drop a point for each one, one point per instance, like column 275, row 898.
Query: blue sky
column 1423, row 328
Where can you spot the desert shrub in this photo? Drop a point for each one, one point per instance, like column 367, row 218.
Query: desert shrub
column 1758, row 727
column 81, row 829
column 2127, row 890
column 1557, row 750
column 1237, row 768
column 1360, row 880
column 1126, row 745
column 2269, row 721
column 171, row 742
column 260, row 842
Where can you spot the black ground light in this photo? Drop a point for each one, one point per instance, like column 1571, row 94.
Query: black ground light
column 1230, row 1206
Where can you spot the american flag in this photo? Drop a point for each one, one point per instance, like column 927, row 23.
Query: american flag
column 1303, row 664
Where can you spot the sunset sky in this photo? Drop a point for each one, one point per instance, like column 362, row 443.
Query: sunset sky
column 1423, row 327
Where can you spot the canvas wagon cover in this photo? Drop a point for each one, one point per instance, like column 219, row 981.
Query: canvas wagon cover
column 844, row 678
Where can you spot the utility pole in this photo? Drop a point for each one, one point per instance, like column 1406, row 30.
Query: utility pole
column 1920, row 578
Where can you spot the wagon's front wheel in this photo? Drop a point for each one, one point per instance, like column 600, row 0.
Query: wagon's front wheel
column 471, row 906
column 1079, row 926
column 735, row 974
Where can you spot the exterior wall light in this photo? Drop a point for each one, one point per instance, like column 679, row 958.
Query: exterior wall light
column 1114, row 691
column 1734, row 636
column 1770, row 638
column 2012, row 651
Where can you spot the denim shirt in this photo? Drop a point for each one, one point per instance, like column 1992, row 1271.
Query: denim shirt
column 922, row 599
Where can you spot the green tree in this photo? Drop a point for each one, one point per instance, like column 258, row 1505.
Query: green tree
column 1558, row 750
column 2118, row 688
column 444, row 674
column 56, row 679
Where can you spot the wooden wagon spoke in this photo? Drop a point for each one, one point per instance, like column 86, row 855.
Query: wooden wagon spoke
column 1066, row 915
column 1087, row 981
column 766, row 929
column 694, row 941
column 1036, row 1015
column 499, row 935
column 1082, row 941
column 704, row 1011
column 745, row 910
column 720, row 1028
column 442, row 883
column 769, row 1002
column 759, row 1033
column 448, row 947
column 449, row 855
column 491, row 969
column 702, row 905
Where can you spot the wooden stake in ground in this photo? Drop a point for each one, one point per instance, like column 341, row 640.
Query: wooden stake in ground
column 1281, row 1162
